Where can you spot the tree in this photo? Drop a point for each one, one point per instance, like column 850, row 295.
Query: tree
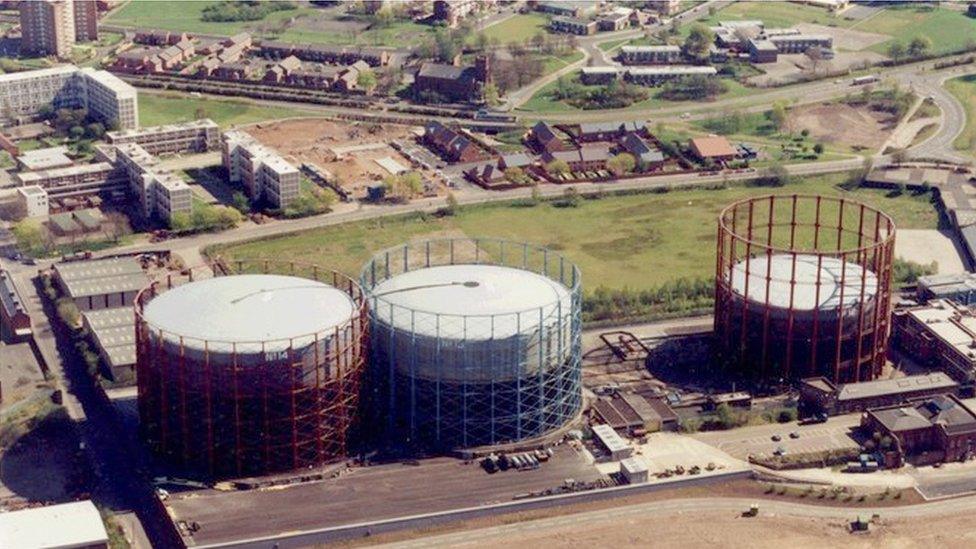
column 699, row 41
column 241, row 203
column 779, row 115
column 896, row 50
column 818, row 148
column 489, row 93
column 517, row 176
column 403, row 186
column 76, row 132
column 777, row 175
column 95, row 130
column 919, row 46
column 621, row 164
column 451, row 204
column 180, row 221
column 557, row 167
column 30, row 236
column 366, row 80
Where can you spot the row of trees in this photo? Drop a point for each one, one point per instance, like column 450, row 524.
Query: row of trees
column 206, row 218
column 615, row 95
column 243, row 10
column 916, row 47
column 680, row 295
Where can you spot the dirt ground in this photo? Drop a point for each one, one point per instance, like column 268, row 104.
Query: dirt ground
column 314, row 140
column 926, row 246
column 20, row 373
column 723, row 529
column 842, row 124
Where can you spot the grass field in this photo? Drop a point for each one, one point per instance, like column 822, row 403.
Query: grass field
column 542, row 101
column 400, row 33
column 158, row 109
column 186, row 16
column 518, row 28
column 636, row 241
column 949, row 30
column 775, row 14
column 964, row 88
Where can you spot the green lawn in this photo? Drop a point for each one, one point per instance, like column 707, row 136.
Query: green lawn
column 949, row 30
column 158, row 109
column 186, row 16
column 518, row 28
column 775, row 14
column 553, row 63
column 400, row 33
column 542, row 101
column 964, row 88
column 613, row 44
column 637, row 241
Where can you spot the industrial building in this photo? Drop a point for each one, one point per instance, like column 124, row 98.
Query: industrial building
column 75, row 525
column 112, row 333
column 474, row 341
column 633, row 470
column 248, row 374
column 959, row 287
column 803, row 288
column 100, row 284
column 940, row 335
column 929, row 430
column 819, row 395
column 615, row 446
column 194, row 137
column 15, row 322
column 264, row 173
column 22, row 94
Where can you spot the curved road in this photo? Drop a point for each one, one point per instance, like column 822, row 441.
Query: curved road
column 658, row 508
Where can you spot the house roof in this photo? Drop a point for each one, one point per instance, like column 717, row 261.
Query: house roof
column 440, row 70
column 636, row 146
column 516, row 160
column 613, row 126
column 712, row 146
column 543, row 133
column 945, row 411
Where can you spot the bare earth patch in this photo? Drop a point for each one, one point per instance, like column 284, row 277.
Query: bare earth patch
column 317, row 140
column 843, row 124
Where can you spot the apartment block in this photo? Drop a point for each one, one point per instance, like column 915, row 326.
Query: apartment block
column 572, row 25
column 86, row 20
column 650, row 55
column 75, row 181
column 196, row 136
column 159, row 192
column 263, row 173
column 33, row 201
column 47, row 27
column 110, row 99
column 103, row 94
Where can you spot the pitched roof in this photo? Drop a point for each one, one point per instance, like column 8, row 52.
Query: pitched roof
column 712, row 146
column 441, row 71
column 636, row 146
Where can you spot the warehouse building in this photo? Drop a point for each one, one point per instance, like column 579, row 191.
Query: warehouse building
column 959, row 287
column 633, row 470
column 820, row 395
column 615, row 446
column 15, row 322
column 75, row 525
column 112, row 331
column 263, row 172
column 196, row 136
column 102, row 283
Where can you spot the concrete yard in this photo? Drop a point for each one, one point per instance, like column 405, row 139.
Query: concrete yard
column 372, row 493
column 927, row 246
column 742, row 442
column 669, row 450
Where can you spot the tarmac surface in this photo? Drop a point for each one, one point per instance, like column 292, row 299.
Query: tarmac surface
column 367, row 494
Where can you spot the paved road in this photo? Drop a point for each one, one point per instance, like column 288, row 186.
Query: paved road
column 733, row 506
column 953, row 119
